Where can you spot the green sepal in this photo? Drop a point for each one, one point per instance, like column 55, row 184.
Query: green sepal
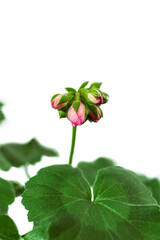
column 63, row 99
column 100, row 111
column 76, row 105
column 86, row 112
column 96, row 85
column 63, row 111
column 62, row 114
column 105, row 97
column 94, row 92
column 54, row 96
column 70, row 97
column 93, row 109
column 70, row 90
column 83, row 85
column 83, row 95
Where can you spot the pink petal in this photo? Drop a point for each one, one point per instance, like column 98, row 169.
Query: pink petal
column 55, row 101
column 81, row 113
column 92, row 98
column 73, row 117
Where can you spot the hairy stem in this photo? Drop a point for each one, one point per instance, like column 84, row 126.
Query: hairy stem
column 26, row 171
column 72, row 144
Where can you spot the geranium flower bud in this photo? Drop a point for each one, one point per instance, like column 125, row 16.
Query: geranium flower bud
column 77, row 113
column 95, row 96
column 105, row 97
column 59, row 101
column 95, row 113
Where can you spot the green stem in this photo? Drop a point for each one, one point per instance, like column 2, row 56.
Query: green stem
column 73, row 144
column 26, row 171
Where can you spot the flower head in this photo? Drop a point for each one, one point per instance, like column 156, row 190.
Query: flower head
column 79, row 106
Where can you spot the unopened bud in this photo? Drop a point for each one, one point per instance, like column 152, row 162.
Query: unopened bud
column 59, row 101
column 77, row 113
column 95, row 96
column 95, row 113
column 105, row 97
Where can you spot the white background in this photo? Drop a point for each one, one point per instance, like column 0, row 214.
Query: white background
column 46, row 46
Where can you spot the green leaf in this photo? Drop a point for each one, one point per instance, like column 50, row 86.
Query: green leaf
column 1, row 104
column 96, row 85
column 83, row 85
column 38, row 233
column 18, row 188
column 153, row 185
column 2, row 117
column 70, row 90
column 90, row 169
column 59, row 202
column 4, row 164
column 18, row 154
column 8, row 229
column 7, row 195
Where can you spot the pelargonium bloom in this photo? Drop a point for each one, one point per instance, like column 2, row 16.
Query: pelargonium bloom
column 59, row 101
column 95, row 96
column 77, row 113
column 79, row 106
column 95, row 114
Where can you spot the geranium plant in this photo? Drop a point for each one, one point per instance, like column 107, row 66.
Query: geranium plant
column 94, row 201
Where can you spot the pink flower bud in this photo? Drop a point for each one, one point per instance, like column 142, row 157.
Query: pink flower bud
column 77, row 113
column 56, row 104
column 95, row 97
column 105, row 97
column 96, row 115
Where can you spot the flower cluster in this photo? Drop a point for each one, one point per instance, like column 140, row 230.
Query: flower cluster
column 82, row 105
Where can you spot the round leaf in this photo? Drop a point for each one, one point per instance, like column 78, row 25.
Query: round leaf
column 60, row 204
column 18, row 154
column 90, row 169
column 7, row 195
column 153, row 185
column 8, row 229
